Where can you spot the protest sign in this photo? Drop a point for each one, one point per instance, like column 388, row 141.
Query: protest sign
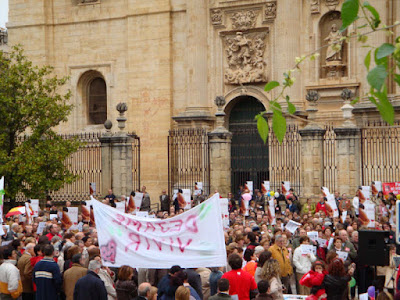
column 2, row 230
column 332, row 203
column 53, row 216
column 330, row 243
column 292, row 226
column 313, row 235
column 120, row 206
column 73, row 215
column 41, row 227
column 321, row 242
column 342, row 255
column 306, row 249
column 265, row 187
column 187, row 194
column 366, row 190
column 6, row 243
column 138, row 200
column 369, row 209
column 363, row 296
column 154, row 243
column 28, row 213
column 285, row 187
column 271, row 208
column 356, row 205
column 198, row 187
column 325, row 191
column 224, row 202
column 66, row 222
column 249, row 185
column 376, row 187
column 86, row 211
column 344, row 215
column 142, row 214
column 391, row 187
column 35, row 207
column 246, row 197
column 92, row 188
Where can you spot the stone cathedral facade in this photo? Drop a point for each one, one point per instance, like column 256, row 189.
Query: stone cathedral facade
column 172, row 61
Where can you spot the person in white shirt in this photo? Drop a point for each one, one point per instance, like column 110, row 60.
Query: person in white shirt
column 303, row 263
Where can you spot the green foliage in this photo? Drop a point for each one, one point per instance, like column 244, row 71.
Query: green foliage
column 30, row 104
column 349, row 13
column 262, row 127
column 271, row 85
column 376, row 77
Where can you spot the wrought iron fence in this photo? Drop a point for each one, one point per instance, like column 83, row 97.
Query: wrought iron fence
column 188, row 159
column 380, row 152
column 135, row 162
column 330, row 167
column 285, row 159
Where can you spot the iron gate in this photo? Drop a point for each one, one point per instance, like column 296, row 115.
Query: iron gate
column 188, row 159
column 380, row 152
column 330, row 167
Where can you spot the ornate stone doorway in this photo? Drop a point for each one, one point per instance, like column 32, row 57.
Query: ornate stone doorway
column 249, row 155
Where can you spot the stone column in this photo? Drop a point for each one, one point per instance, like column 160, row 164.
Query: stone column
column 116, row 157
column 312, row 151
column 220, row 153
column 348, row 149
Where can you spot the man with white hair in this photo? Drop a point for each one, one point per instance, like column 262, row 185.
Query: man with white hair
column 348, row 246
column 13, row 233
column 144, row 291
column 91, row 287
column 25, row 269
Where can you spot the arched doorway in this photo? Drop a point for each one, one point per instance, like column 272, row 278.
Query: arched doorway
column 249, row 155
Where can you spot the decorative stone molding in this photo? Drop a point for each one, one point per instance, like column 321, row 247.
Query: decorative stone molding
column 270, row 11
column 314, row 6
column 89, row 1
column 216, row 17
column 245, row 57
column 244, row 19
column 331, row 4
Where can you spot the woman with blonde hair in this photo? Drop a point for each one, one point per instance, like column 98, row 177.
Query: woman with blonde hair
column 182, row 293
column 271, row 272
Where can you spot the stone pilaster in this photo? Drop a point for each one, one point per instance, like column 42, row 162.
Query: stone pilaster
column 348, row 156
column 220, row 161
column 312, row 162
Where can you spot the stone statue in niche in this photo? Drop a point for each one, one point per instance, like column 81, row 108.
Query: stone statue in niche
column 334, row 51
column 245, row 57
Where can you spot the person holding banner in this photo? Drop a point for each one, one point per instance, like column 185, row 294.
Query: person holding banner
column 302, row 260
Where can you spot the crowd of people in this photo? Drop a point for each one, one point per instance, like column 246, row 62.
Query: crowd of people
column 265, row 259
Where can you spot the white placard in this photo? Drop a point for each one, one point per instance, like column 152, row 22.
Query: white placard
column 366, row 191
column 35, row 207
column 249, row 185
column 344, row 215
column 305, row 249
column 285, row 187
column 92, row 188
column 369, row 209
column 313, row 235
column 1, row 230
column 175, row 194
column 187, row 196
column 138, row 200
column 28, row 213
column 224, row 202
column 142, row 214
column 271, row 208
column 332, row 203
column 198, row 187
column 41, row 227
column 363, row 296
column 325, row 190
column 80, row 226
column 321, row 242
column 330, row 242
column 342, row 255
column 265, row 187
column 73, row 214
column 291, row 226
column 120, row 206
column 125, row 239
column 376, row 187
column 52, row 216
column 356, row 205
column 6, row 243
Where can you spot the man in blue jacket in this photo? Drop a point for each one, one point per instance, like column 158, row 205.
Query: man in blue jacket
column 90, row 286
column 47, row 276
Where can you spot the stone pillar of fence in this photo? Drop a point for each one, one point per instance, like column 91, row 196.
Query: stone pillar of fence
column 220, row 153
column 116, row 158
column 312, row 160
column 348, row 159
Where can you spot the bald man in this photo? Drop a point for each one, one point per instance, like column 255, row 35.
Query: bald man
column 348, row 246
column 144, row 291
column 25, row 270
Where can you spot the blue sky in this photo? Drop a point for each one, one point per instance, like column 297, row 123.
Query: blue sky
column 3, row 12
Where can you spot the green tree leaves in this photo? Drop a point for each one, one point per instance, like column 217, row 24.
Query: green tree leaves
column 349, row 13
column 30, row 104
column 271, row 85
column 376, row 77
column 384, row 50
column 262, row 127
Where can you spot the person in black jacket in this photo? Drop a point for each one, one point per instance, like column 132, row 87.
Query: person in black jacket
column 336, row 281
column 91, row 287
column 195, row 281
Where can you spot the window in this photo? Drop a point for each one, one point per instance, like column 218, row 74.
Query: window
column 97, row 101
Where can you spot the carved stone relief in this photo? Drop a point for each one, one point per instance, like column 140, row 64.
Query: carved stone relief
column 244, row 19
column 314, row 6
column 245, row 57
column 216, row 16
column 270, row 11
column 331, row 4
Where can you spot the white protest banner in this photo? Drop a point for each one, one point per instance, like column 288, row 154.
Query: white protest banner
column 369, row 209
column 224, row 202
column 187, row 196
column 35, row 207
column 325, row 190
column 73, row 214
column 92, row 188
column 265, row 187
column 41, row 227
column 332, row 203
column 313, row 235
column 285, row 187
column 198, row 187
column 154, row 243
column 292, row 226
column 138, row 200
column 305, row 249
column 142, row 214
column 120, row 206
column 86, row 211
column 344, row 215
column 342, row 255
column 366, row 190
column 249, row 185
column 356, row 205
column 376, row 187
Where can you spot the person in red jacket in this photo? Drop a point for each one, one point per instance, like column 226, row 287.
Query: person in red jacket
column 54, row 230
column 313, row 279
column 321, row 206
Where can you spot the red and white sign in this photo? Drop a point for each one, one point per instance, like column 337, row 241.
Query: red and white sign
column 391, row 187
